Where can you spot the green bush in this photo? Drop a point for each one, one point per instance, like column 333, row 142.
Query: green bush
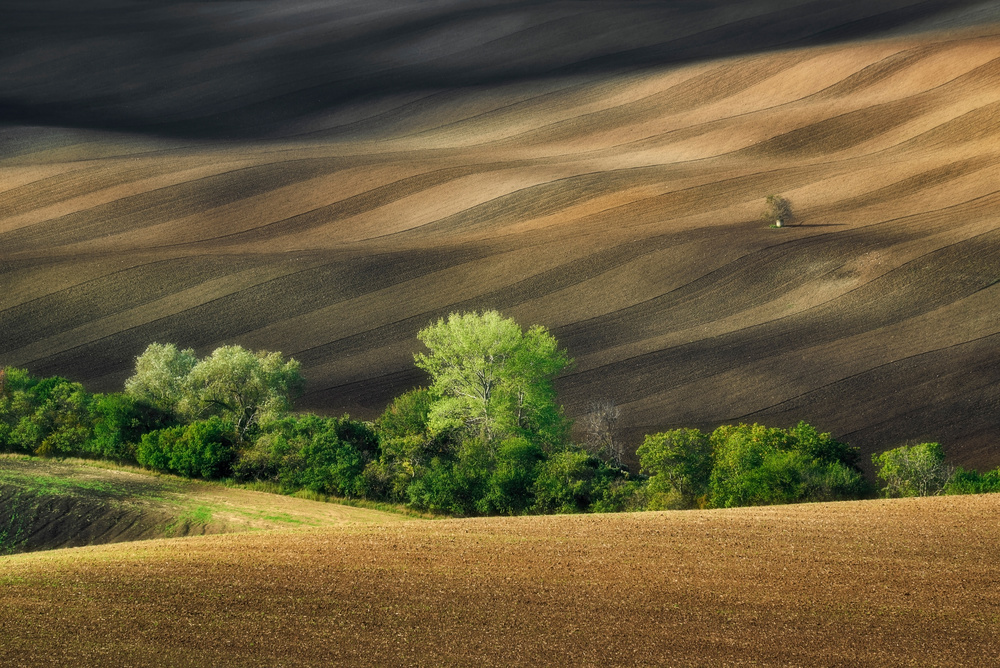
column 758, row 465
column 156, row 448
column 623, row 495
column 200, row 449
column 446, row 487
column 570, row 482
column 509, row 487
column 973, row 482
column 331, row 466
column 679, row 463
column 915, row 470
column 119, row 424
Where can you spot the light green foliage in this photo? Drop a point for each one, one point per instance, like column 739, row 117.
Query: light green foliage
column 679, row 463
column 493, row 380
column 915, row 470
column 244, row 388
column 160, row 378
column 248, row 389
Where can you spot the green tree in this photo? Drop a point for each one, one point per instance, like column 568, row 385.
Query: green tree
column 679, row 463
column 777, row 211
column 160, row 378
column 914, row 470
column 493, row 380
column 248, row 389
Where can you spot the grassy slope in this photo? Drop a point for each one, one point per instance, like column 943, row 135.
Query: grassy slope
column 46, row 504
column 909, row 582
column 616, row 208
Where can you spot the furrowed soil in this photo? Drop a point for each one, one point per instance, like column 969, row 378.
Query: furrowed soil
column 46, row 505
column 871, row 583
column 607, row 188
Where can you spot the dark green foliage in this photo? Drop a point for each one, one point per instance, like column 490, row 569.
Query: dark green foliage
column 509, row 487
column 809, row 441
column 451, row 486
column 570, row 481
column 406, row 416
column 156, row 447
column 119, row 424
column 331, row 466
column 325, row 455
column 973, row 482
column 49, row 417
column 679, row 463
column 201, row 449
column 406, row 446
column 623, row 494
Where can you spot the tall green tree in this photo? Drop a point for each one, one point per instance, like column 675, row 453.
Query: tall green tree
column 241, row 387
column 160, row 377
column 679, row 463
column 247, row 389
column 492, row 380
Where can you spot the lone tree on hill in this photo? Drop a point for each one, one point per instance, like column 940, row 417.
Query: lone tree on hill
column 492, row 380
column 778, row 211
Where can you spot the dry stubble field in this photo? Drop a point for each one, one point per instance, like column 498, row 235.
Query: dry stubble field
column 872, row 583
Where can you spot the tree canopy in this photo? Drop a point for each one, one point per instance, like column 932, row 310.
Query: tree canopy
column 492, row 379
column 244, row 388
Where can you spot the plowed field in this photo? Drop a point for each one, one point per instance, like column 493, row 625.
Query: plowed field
column 595, row 167
column 872, row 583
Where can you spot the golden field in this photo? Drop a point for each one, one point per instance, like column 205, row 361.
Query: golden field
column 869, row 583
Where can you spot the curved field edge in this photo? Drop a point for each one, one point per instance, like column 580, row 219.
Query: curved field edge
column 862, row 583
column 47, row 504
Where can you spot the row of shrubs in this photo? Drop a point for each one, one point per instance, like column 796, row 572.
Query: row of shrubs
column 396, row 459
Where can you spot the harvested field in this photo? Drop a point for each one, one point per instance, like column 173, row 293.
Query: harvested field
column 871, row 583
column 594, row 167
column 46, row 505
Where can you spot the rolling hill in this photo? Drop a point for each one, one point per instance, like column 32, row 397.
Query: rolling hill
column 869, row 583
column 324, row 180
column 46, row 505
